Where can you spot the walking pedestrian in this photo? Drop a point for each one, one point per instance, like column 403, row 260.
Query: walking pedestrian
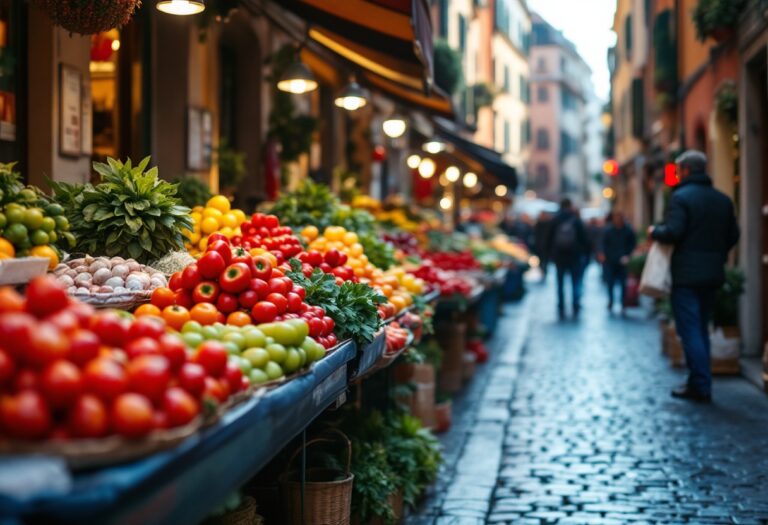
column 701, row 224
column 618, row 243
column 568, row 246
column 541, row 237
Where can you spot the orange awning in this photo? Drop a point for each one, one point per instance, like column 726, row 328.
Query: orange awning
column 435, row 103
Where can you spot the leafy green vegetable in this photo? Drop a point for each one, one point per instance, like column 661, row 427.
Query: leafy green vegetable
column 192, row 191
column 379, row 252
column 352, row 306
column 132, row 212
column 311, row 203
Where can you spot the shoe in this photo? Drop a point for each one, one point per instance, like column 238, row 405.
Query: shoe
column 687, row 393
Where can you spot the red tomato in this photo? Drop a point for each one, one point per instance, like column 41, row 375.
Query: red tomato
column 174, row 283
column 160, row 420
column 163, row 297
column 215, row 391
column 179, row 406
column 105, row 378
column 205, row 292
column 83, row 346
column 64, row 320
column 298, row 290
column 61, row 383
column 26, row 379
column 262, row 268
column 216, row 236
column 316, row 327
column 235, row 278
column 227, row 303
column 173, row 348
column 149, row 375
column 248, row 298
column 15, row 331
column 332, row 257
column 7, row 367
column 88, row 417
column 191, row 277
column 26, row 415
column 45, row 296
column 192, row 378
column 234, row 376
column 343, row 258
column 212, row 263
column 83, row 312
column 132, row 415
column 279, row 285
column 10, row 300
column 184, row 298
column 176, row 316
column 332, row 340
column 212, row 356
column 280, row 302
column 264, row 312
column 329, row 323
column 260, row 286
column 294, row 302
column 314, row 258
column 142, row 346
column 110, row 328
column 204, row 313
column 222, row 247
column 46, row 344
column 146, row 326
column 270, row 221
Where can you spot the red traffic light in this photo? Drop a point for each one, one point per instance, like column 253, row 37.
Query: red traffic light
column 670, row 175
column 611, row 168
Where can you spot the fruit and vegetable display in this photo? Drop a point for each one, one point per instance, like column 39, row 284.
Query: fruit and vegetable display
column 449, row 283
column 397, row 337
column 30, row 224
column 96, row 277
column 456, row 261
column 217, row 216
column 68, row 372
column 130, row 213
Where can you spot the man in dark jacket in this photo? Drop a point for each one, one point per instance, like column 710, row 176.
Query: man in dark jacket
column 701, row 225
column 568, row 248
column 617, row 244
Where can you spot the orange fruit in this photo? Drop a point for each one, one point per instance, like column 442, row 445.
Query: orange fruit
column 204, row 313
column 147, row 309
column 220, row 203
column 239, row 319
column 209, row 225
column 175, row 316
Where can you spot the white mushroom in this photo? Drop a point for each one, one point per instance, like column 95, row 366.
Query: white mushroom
column 105, row 289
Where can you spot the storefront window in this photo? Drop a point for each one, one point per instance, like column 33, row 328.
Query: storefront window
column 105, row 49
column 11, row 27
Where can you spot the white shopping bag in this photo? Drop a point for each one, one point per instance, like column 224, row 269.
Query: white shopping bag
column 656, row 280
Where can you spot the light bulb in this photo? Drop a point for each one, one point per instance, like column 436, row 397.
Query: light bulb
column 452, row 173
column 446, row 203
column 427, row 168
column 413, row 161
column 434, row 146
column 470, row 180
column 394, row 127
column 501, row 190
column 115, row 45
column 181, row 7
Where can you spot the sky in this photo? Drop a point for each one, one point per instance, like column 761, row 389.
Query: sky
column 586, row 23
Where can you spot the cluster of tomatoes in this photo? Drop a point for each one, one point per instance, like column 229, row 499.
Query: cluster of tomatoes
column 228, row 285
column 396, row 337
column 333, row 262
column 448, row 283
column 69, row 372
column 264, row 231
column 403, row 241
column 455, row 261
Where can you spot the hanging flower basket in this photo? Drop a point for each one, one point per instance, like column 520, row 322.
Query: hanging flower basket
column 89, row 17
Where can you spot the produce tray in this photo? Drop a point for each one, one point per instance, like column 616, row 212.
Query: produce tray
column 431, row 297
column 22, row 270
column 368, row 356
column 386, row 360
column 179, row 485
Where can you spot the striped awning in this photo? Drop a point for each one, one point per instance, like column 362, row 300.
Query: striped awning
column 391, row 39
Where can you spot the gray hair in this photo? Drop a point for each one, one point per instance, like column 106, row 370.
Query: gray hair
column 692, row 160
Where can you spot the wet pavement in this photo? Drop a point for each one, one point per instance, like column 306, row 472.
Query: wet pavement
column 571, row 423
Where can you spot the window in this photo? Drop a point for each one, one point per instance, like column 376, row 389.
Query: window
column 543, row 94
column 506, row 79
column 493, row 71
column 638, row 108
column 542, row 139
column 443, row 18
column 568, row 145
column 569, row 100
column 507, row 137
column 525, row 134
column 628, row 36
column 563, row 65
column 462, row 33
column 541, row 65
column 542, row 176
column 524, row 93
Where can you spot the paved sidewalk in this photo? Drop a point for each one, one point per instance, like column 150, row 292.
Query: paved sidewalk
column 579, row 428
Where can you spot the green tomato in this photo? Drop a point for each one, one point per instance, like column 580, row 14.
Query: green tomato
column 232, row 348
column 277, row 352
column 255, row 337
column 283, row 333
column 53, row 237
column 273, row 370
column 48, row 225
column 301, row 327
column 292, row 361
column 236, row 338
column 303, row 356
column 3, row 220
column 245, row 366
column 15, row 214
column 258, row 357
column 270, row 341
column 27, row 195
column 193, row 339
column 16, row 233
column 191, row 326
column 39, row 238
column 259, row 376
column 54, row 209
column 210, row 332
column 62, row 223
column 33, row 218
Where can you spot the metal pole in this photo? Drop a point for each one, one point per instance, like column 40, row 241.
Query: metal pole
column 303, row 470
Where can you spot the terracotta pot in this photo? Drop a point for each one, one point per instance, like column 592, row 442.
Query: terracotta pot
column 443, row 416
column 421, row 401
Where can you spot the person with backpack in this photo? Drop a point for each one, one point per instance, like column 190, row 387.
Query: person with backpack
column 568, row 247
column 618, row 243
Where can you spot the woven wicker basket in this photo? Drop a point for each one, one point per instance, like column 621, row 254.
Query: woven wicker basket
column 245, row 514
column 327, row 492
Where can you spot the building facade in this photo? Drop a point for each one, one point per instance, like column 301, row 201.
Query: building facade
column 562, row 116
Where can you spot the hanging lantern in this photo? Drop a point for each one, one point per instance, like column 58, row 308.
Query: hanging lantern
column 435, row 146
column 89, row 18
column 181, row 7
column 670, row 175
column 352, row 97
column 297, row 79
column 395, row 126
column 413, row 161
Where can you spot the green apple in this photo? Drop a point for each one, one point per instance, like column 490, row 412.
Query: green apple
column 192, row 339
column 191, row 326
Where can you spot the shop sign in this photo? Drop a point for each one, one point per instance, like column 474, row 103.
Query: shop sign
column 199, row 139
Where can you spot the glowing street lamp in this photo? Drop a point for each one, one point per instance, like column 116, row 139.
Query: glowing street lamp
column 181, row 7
column 470, row 180
column 501, row 190
column 297, row 79
column 435, row 146
column 352, row 97
column 395, row 126
column 413, row 161
column 427, row 168
column 452, row 173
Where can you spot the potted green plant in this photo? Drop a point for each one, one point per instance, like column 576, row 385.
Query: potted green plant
column 717, row 18
column 725, row 314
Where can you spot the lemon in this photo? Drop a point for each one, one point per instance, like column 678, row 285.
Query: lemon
column 197, row 216
column 212, row 212
column 209, row 225
column 229, row 220
column 240, row 216
column 350, row 238
column 219, row 202
column 194, row 238
column 310, row 233
column 227, row 232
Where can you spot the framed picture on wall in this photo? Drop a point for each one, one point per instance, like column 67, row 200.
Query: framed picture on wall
column 86, row 121
column 70, row 111
column 199, row 139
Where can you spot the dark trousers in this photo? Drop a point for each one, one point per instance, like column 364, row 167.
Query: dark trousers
column 575, row 269
column 692, row 308
column 615, row 273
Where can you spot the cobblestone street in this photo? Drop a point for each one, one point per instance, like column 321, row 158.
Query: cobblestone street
column 572, row 423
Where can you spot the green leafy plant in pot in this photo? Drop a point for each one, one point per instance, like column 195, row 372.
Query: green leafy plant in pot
column 717, row 18
column 725, row 314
